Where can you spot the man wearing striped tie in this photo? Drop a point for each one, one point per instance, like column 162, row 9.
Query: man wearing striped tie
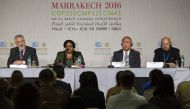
column 20, row 54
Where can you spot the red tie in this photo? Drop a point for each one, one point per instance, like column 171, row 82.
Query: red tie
column 21, row 55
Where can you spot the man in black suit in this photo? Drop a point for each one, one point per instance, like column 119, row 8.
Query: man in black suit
column 126, row 51
column 19, row 55
column 60, row 74
column 167, row 54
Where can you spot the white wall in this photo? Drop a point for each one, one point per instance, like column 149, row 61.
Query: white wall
column 146, row 21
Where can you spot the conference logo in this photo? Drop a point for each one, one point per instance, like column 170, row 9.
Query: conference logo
column 41, row 47
column 35, row 44
column 98, row 44
column 3, row 44
column 102, row 48
column 4, row 50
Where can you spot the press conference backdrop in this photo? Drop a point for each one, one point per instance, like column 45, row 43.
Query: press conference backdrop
column 96, row 26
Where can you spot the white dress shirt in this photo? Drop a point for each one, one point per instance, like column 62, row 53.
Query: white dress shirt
column 125, row 53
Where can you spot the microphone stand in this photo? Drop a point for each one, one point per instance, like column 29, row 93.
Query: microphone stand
column 111, row 66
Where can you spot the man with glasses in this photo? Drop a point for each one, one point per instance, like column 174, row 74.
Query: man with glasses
column 20, row 54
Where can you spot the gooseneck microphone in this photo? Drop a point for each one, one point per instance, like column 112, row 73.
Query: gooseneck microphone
column 111, row 66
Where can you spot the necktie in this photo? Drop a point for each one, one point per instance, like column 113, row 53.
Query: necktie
column 21, row 55
column 126, row 58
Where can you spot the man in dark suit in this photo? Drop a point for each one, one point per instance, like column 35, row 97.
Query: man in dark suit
column 167, row 54
column 19, row 55
column 60, row 74
column 126, row 51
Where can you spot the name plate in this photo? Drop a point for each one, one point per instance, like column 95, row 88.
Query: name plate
column 18, row 66
column 154, row 64
column 118, row 64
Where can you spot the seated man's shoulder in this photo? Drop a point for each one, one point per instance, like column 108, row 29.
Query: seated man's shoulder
column 60, row 91
column 185, row 84
column 14, row 49
column 139, row 98
column 30, row 48
column 58, row 82
column 134, row 97
column 114, row 98
column 175, row 49
column 114, row 90
column 88, row 92
column 158, row 50
column 147, row 85
column 118, row 51
column 135, row 52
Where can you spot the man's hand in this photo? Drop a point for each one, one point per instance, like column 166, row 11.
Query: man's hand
column 171, row 65
column 18, row 62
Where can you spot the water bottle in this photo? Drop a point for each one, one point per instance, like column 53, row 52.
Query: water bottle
column 79, row 61
column 29, row 61
column 182, row 61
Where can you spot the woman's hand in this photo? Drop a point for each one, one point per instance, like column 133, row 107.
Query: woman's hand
column 171, row 65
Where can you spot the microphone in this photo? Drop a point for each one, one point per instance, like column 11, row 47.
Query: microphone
column 111, row 66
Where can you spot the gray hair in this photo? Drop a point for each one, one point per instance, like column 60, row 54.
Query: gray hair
column 18, row 36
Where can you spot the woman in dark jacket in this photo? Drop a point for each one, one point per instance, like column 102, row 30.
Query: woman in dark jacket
column 89, row 91
column 164, row 96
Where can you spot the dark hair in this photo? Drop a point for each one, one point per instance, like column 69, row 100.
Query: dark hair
column 165, row 86
column 155, row 75
column 117, row 78
column 27, row 97
column 76, row 102
column 69, row 41
column 3, row 86
column 16, row 78
column 127, row 78
column 59, row 70
column 88, row 79
column 46, row 76
column 127, row 37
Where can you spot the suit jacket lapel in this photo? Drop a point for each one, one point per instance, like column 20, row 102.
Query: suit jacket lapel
column 131, row 54
column 120, row 55
column 131, row 57
column 17, row 53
